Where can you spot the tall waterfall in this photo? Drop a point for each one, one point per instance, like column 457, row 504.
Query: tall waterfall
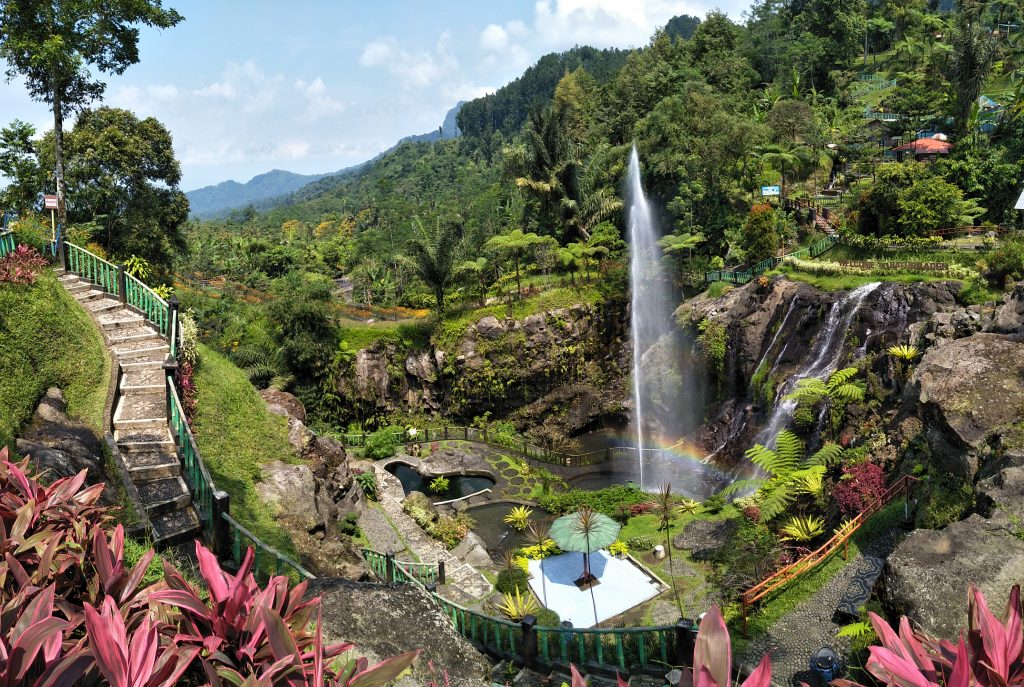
column 651, row 298
column 822, row 360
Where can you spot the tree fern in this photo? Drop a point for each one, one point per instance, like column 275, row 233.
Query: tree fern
column 828, row 455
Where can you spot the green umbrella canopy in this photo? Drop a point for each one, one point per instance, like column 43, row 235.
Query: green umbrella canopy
column 584, row 532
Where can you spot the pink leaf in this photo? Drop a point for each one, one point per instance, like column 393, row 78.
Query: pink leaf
column 576, row 677
column 107, row 639
column 384, row 672
column 762, row 675
column 713, row 650
column 961, row 676
column 142, row 653
column 211, row 571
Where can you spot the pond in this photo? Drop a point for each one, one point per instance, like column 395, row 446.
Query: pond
column 497, row 535
column 458, row 485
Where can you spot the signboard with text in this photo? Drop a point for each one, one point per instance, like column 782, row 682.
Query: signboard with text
column 50, row 202
column 771, row 190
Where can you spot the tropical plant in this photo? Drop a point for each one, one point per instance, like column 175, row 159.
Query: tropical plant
column 367, row 481
column 618, row 548
column 838, row 391
column 516, row 246
column 515, row 606
column 802, row 528
column 434, row 255
column 537, row 535
column 904, row 356
column 382, row 444
column 519, row 517
column 439, row 485
column 665, row 508
column 974, row 51
column 991, row 654
column 137, row 267
column 858, row 487
column 21, row 266
column 790, row 473
column 712, row 657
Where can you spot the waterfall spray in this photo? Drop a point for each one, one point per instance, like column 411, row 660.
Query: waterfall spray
column 651, row 299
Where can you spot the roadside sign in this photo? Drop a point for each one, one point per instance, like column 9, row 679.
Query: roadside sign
column 771, row 190
column 50, row 202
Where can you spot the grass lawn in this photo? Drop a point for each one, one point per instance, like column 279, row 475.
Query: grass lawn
column 845, row 282
column 47, row 339
column 236, row 436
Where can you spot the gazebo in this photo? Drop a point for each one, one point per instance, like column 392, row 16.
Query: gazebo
column 923, row 149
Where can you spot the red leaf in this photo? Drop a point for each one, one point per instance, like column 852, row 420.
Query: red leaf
column 713, row 650
column 762, row 675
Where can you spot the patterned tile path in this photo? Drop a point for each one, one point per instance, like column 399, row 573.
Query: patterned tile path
column 809, row 626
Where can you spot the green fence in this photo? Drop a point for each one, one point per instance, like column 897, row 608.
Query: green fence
column 6, row 243
column 92, row 267
column 743, row 276
column 145, row 300
column 623, row 648
column 193, row 469
column 268, row 561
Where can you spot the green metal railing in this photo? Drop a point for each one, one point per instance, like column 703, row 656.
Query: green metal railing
column 743, row 276
column 145, row 300
column 268, row 561
column 622, row 648
column 6, row 243
column 500, row 637
column 193, row 469
column 881, row 116
column 92, row 267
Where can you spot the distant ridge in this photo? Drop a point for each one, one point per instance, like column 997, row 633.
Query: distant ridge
column 210, row 202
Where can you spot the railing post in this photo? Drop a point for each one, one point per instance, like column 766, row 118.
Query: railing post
column 172, row 313
column 440, row 572
column 529, row 643
column 220, row 530
column 170, row 369
column 685, row 639
column 122, row 285
column 389, row 566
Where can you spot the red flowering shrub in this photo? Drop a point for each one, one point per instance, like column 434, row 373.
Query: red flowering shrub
column 187, row 387
column 21, row 266
column 859, row 486
column 641, row 508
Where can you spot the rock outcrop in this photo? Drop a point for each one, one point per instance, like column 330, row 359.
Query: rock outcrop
column 387, row 620
column 926, row 578
column 59, row 446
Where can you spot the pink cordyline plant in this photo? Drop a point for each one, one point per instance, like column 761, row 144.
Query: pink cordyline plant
column 989, row 656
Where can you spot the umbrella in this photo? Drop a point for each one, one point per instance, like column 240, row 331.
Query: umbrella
column 586, row 531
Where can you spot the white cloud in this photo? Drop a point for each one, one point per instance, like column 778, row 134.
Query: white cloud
column 318, row 103
column 465, row 91
column 413, row 68
column 493, row 37
column 563, row 23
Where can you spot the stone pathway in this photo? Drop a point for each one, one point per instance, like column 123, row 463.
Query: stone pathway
column 147, row 451
column 809, row 626
column 464, row 585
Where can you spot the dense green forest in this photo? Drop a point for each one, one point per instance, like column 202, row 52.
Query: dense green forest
column 810, row 96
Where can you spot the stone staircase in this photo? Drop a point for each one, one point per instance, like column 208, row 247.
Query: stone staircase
column 140, row 419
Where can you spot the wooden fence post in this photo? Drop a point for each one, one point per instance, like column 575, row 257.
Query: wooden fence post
column 172, row 312
column 440, row 572
column 529, row 640
column 389, row 566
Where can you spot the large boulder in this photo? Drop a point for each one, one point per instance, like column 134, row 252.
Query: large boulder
column 284, row 404
column 59, row 446
column 291, row 492
column 926, row 578
column 705, row 538
column 968, row 391
column 386, row 620
column 1009, row 317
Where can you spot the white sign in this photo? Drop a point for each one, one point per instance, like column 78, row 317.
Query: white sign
column 771, row 190
column 50, row 202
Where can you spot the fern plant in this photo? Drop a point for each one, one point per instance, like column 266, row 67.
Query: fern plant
column 790, row 473
column 802, row 528
column 837, row 392
column 263, row 361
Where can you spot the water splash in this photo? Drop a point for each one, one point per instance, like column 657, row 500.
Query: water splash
column 651, row 298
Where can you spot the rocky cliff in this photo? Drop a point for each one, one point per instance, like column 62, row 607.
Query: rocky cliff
column 554, row 373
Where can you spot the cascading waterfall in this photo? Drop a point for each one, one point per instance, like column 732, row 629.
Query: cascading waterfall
column 651, row 298
column 824, row 359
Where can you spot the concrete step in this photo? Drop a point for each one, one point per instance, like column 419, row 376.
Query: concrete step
column 103, row 304
column 141, row 351
column 76, row 287
column 151, row 464
column 119, row 319
column 174, row 526
column 141, row 410
column 141, row 379
column 89, row 295
column 131, row 332
column 129, row 435
column 163, row 494
column 160, row 443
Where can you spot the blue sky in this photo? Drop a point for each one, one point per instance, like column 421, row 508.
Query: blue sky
column 245, row 87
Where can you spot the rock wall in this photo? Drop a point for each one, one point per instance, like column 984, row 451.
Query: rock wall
column 554, row 373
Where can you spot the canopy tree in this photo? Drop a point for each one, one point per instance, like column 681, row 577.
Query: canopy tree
column 123, row 175
column 20, row 164
column 433, row 255
column 59, row 47
column 516, row 245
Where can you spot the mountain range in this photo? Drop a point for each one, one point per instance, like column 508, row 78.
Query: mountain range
column 218, row 200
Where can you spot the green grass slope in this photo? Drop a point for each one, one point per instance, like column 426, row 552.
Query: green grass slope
column 47, row 339
column 236, row 436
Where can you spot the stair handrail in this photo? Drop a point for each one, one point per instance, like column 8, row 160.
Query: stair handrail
column 236, row 532
column 7, row 243
column 92, row 268
column 145, row 300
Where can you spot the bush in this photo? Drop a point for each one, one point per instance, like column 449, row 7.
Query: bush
column 451, row 530
column 948, row 499
column 21, row 266
column 547, row 618
column 382, row 444
column 350, row 525
column 439, row 485
column 607, row 501
column 511, row 580
column 1007, row 260
column 859, row 487
column 641, row 542
column 367, row 480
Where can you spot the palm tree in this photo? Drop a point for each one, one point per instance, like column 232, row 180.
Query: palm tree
column 433, row 256
column 780, row 157
column 974, row 52
column 537, row 535
column 516, row 245
column 589, row 198
column 665, row 508
column 789, row 473
column 477, row 272
column 839, row 390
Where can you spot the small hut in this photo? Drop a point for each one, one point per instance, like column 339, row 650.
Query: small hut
column 923, row 149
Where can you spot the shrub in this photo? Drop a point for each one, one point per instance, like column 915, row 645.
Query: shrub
column 511, row 580
column 549, row 548
column 21, row 266
column 518, row 517
column 439, row 485
column 382, row 444
column 1006, row 260
column 547, row 618
column 947, row 500
column 350, row 524
column 606, row 501
column 450, row 530
column 367, row 481
column 802, row 528
column 641, row 542
column 618, row 548
column 859, row 486
column 515, row 606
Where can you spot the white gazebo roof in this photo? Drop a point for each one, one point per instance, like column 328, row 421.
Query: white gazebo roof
column 1020, row 202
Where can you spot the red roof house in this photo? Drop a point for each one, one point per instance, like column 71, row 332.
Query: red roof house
column 923, row 149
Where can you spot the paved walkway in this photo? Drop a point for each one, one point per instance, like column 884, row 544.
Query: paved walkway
column 147, row 452
column 465, row 585
column 808, row 627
